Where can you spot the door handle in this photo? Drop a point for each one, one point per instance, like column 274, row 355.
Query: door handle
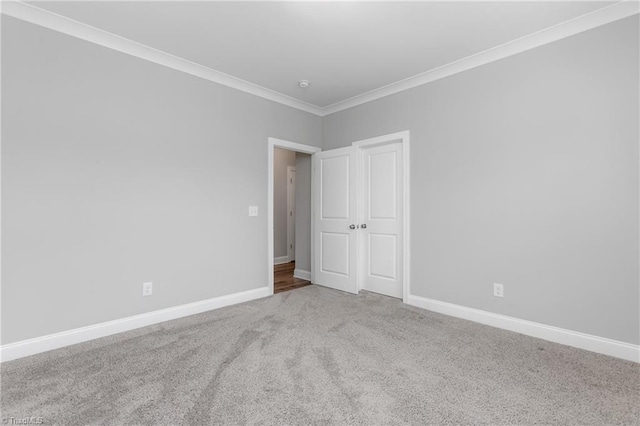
column 363, row 226
column 352, row 226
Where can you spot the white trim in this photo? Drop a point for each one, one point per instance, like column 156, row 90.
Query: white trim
column 302, row 274
column 63, row 24
column 291, row 213
column 280, row 260
column 404, row 138
column 53, row 21
column 1, row 275
column 84, row 334
column 576, row 339
column 292, row 146
column 548, row 35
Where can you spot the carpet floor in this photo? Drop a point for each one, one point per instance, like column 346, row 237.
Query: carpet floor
column 318, row 356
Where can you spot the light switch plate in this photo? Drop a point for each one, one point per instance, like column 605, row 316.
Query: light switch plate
column 253, row 210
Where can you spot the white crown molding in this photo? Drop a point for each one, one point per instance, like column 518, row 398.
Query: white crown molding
column 47, row 19
column 563, row 336
column 83, row 334
column 62, row 24
column 557, row 32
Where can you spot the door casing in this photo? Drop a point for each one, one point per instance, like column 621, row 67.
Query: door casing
column 273, row 143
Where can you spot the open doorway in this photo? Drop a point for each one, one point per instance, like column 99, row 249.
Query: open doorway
column 290, row 215
column 291, row 212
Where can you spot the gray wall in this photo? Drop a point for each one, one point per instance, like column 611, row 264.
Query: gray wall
column 525, row 172
column 282, row 158
column 117, row 171
column 303, row 211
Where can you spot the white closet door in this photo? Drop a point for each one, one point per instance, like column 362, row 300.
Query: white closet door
column 335, row 200
column 381, row 220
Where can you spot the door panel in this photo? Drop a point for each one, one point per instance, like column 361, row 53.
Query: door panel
column 382, row 256
column 335, row 201
column 333, row 248
column 382, row 175
column 335, row 198
column 381, row 242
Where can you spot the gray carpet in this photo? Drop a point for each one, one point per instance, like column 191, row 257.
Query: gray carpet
column 318, row 356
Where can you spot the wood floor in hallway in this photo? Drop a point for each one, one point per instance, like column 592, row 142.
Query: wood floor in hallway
column 283, row 279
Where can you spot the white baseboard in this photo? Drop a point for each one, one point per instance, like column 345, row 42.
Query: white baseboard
column 83, row 334
column 280, row 260
column 302, row 274
column 576, row 339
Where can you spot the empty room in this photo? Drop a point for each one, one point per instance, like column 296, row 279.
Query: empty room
column 320, row 212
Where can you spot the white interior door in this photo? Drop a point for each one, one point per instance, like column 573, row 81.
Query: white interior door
column 291, row 213
column 335, row 233
column 381, row 220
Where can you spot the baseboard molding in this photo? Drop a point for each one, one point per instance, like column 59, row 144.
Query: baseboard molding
column 84, row 334
column 302, row 274
column 576, row 339
column 280, row 260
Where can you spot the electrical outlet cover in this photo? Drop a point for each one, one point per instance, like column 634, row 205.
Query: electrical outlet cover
column 147, row 289
column 498, row 290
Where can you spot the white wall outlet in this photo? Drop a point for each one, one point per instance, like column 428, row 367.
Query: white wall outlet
column 498, row 290
column 147, row 289
column 253, row 210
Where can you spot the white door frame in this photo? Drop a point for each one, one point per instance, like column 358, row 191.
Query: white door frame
column 291, row 146
column 291, row 208
column 404, row 138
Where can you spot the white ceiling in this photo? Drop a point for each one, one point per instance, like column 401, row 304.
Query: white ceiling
column 343, row 48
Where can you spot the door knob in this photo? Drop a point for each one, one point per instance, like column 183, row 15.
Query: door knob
column 352, row 227
column 363, row 226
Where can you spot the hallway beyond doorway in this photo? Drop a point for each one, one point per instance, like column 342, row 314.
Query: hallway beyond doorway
column 283, row 279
